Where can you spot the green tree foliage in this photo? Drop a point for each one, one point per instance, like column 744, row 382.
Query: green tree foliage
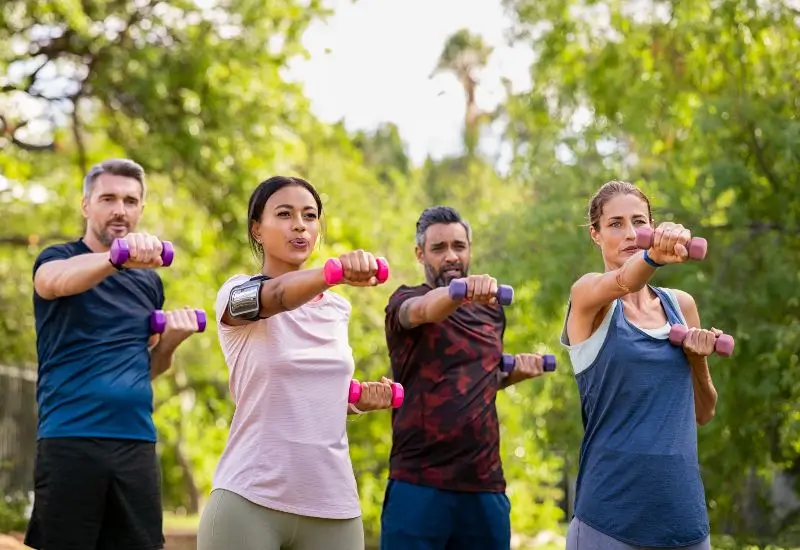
column 694, row 104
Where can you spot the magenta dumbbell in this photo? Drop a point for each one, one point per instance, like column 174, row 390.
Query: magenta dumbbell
column 723, row 346
column 697, row 246
column 158, row 321
column 458, row 291
column 398, row 393
column 509, row 361
column 120, row 253
column 334, row 272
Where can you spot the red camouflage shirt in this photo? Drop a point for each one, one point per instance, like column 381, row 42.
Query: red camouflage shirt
column 446, row 434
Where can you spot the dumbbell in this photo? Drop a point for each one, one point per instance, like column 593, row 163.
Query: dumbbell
column 120, row 253
column 158, row 321
column 334, row 272
column 509, row 361
column 458, row 291
column 723, row 346
column 398, row 393
column 697, row 246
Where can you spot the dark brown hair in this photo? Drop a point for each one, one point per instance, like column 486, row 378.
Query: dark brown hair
column 608, row 191
column 258, row 200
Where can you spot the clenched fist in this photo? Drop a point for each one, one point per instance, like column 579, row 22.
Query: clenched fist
column 375, row 395
column 670, row 242
column 699, row 341
column 144, row 251
column 181, row 323
column 360, row 268
column 528, row 365
column 481, row 289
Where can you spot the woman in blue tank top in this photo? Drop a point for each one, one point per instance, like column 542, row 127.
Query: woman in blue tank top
column 639, row 482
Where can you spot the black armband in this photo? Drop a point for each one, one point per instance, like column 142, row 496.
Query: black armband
column 245, row 300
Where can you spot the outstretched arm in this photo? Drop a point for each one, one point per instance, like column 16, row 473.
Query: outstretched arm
column 61, row 278
column 259, row 299
column 433, row 307
column 437, row 305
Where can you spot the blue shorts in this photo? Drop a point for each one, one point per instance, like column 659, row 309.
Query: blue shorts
column 416, row 517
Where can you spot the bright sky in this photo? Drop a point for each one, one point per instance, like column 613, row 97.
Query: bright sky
column 372, row 61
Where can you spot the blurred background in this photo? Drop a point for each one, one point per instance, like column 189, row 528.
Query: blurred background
column 512, row 112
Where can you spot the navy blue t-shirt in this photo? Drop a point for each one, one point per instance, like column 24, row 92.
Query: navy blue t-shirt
column 94, row 365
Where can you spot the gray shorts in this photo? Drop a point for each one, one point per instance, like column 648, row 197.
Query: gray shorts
column 582, row 537
column 231, row 522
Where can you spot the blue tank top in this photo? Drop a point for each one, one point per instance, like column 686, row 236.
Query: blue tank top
column 639, row 477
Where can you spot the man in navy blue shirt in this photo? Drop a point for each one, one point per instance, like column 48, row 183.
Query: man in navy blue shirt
column 97, row 480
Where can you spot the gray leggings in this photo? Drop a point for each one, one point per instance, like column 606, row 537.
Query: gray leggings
column 231, row 522
column 582, row 537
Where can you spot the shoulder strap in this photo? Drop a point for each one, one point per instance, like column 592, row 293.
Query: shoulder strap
column 673, row 300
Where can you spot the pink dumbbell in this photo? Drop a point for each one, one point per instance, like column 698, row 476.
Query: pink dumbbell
column 723, row 346
column 697, row 246
column 158, row 321
column 334, row 272
column 120, row 254
column 398, row 393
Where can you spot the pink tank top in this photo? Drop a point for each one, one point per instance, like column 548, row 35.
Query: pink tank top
column 287, row 448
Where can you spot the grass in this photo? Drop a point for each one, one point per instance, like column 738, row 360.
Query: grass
column 176, row 522
column 184, row 523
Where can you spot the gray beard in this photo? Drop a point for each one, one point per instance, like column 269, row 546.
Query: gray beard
column 104, row 237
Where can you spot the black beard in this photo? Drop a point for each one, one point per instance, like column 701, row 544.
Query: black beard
column 440, row 279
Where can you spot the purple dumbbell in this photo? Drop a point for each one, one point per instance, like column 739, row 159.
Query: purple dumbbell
column 458, row 290
column 120, row 253
column 508, row 362
column 158, row 321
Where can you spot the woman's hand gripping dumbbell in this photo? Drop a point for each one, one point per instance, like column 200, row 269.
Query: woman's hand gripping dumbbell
column 140, row 250
column 702, row 342
column 481, row 289
column 369, row 396
column 357, row 268
column 670, row 243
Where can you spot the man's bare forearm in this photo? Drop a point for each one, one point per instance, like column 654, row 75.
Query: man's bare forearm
column 75, row 275
column 433, row 307
column 161, row 359
column 510, row 379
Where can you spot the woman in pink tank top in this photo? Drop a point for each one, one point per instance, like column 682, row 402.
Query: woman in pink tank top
column 285, row 480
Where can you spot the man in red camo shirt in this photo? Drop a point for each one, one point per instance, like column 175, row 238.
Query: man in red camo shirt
column 446, row 488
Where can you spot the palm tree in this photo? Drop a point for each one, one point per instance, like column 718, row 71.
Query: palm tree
column 464, row 54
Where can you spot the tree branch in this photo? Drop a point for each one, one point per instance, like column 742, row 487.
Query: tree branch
column 33, row 240
column 758, row 150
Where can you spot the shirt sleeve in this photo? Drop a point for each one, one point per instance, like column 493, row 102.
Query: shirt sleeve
column 395, row 301
column 223, row 296
column 51, row 253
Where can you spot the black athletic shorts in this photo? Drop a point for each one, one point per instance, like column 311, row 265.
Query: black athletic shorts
column 96, row 494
